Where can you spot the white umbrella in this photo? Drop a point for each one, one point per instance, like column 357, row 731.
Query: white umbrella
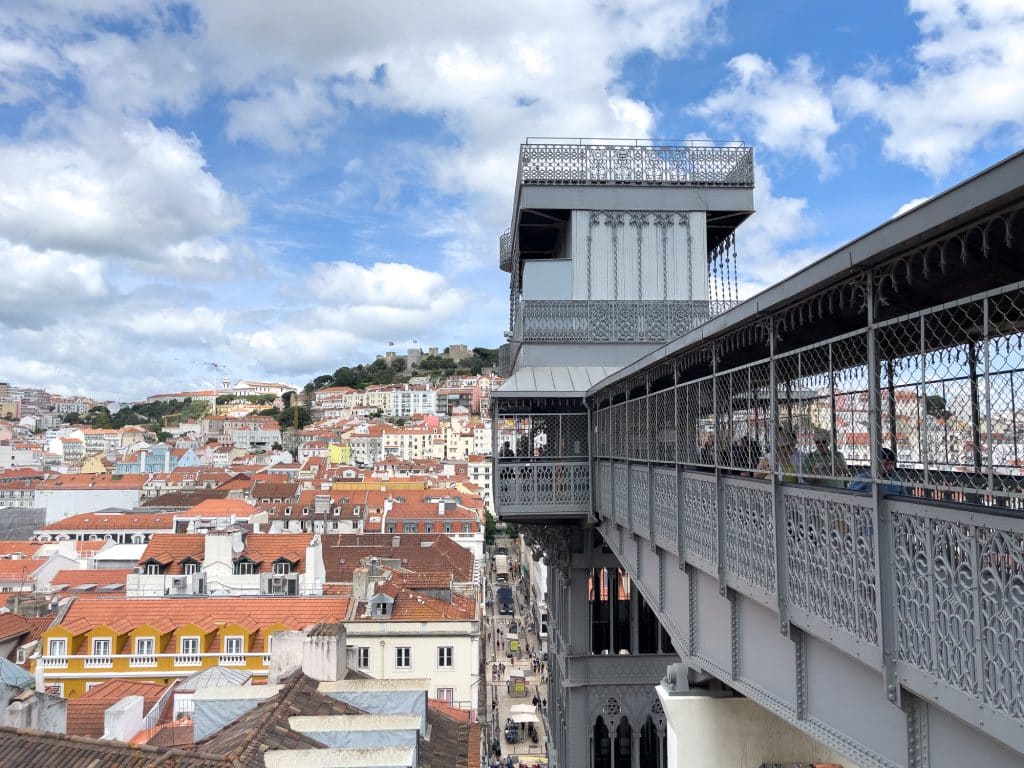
column 524, row 717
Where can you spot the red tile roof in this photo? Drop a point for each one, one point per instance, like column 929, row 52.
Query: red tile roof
column 24, row 548
column 220, row 508
column 125, row 614
column 85, row 714
column 418, row 553
column 94, row 482
column 112, row 521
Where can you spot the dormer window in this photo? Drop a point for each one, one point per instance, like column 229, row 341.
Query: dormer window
column 245, row 567
column 189, row 566
column 154, row 568
column 381, row 606
column 282, row 567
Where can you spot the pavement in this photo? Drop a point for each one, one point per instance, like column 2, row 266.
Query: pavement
column 500, row 699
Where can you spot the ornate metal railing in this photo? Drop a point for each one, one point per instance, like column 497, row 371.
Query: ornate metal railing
column 505, row 360
column 677, row 165
column 505, row 251
column 581, row 322
column 537, row 488
column 853, row 460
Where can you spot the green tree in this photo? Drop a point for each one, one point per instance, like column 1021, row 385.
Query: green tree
column 490, row 528
column 224, row 399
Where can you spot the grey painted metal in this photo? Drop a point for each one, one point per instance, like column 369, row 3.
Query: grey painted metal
column 982, row 195
column 675, row 165
column 560, row 487
column 505, row 251
column 904, row 601
column 586, row 322
column 550, row 381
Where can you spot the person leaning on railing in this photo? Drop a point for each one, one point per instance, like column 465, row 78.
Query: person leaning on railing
column 825, row 465
column 789, row 464
column 887, row 476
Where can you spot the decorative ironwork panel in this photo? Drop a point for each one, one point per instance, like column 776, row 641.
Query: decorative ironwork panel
column 605, row 487
column 627, row 321
column 505, row 251
column 505, row 360
column 677, row 165
column 546, row 485
column 960, row 605
column 700, row 518
column 1001, row 581
column 832, row 567
column 640, row 499
column 666, row 508
column 750, row 535
column 620, row 491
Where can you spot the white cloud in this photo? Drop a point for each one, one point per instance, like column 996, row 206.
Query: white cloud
column 284, row 116
column 104, row 182
column 129, row 191
column 769, row 243
column 909, row 206
column 966, row 87
column 37, row 284
column 788, row 111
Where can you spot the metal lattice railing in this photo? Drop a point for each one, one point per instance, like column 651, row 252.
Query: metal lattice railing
column 505, row 251
column 603, row 163
column 876, row 474
column 582, row 322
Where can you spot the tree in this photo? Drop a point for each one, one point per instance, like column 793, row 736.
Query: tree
column 322, row 381
column 490, row 528
column 71, row 418
column 224, row 399
column 935, row 406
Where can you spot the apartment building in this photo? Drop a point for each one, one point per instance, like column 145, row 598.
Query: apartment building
column 159, row 639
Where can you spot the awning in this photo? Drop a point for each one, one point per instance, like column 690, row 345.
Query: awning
column 553, row 381
column 523, row 717
column 527, row 708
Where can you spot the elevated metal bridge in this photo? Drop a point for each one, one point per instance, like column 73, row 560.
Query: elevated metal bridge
column 877, row 607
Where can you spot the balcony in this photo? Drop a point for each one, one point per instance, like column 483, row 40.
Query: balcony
column 142, row 661
column 542, row 488
column 188, row 660
column 687, row 165
column 614, row 322
column 232, row 660
column 505, row 251
column 98, row 661
column 55, row 662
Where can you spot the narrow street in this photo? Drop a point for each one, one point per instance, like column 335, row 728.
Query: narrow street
column 516, row 675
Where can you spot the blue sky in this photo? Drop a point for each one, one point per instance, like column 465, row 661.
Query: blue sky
column 283, row 188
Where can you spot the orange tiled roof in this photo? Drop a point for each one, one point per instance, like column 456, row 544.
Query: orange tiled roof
column 14, row 570
column 101, row 578
column 416, row 606
column 24, row 548
column 169, row 549
column 221, row 508
column 111, row 521
column 85, row 714
column 125, row 614
column 94, row 482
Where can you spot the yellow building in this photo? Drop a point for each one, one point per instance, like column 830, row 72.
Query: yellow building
column 159, row 639
column 339, row 453
column 93, row 465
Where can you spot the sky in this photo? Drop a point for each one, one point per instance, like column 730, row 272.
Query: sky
column 285, row 188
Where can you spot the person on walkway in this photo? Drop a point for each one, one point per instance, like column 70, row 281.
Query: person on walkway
column 787, row 465
column 888, row 476
column 825, row 466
